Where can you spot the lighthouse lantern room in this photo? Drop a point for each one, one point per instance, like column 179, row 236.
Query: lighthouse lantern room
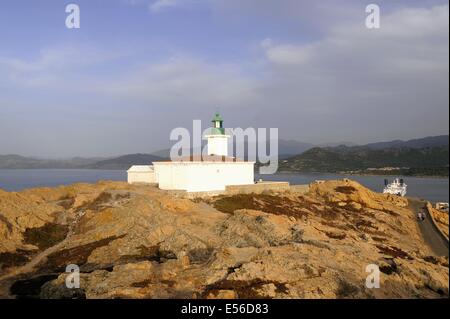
column 217, row 140
column 199, row 173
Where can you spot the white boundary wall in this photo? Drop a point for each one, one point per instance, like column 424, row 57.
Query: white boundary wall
column 141, row 175
column 203, row 176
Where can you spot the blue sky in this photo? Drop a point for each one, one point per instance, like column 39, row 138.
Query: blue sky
column 136, row 69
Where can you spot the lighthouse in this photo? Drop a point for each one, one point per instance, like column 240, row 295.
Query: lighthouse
column 198, row 173
column 217, row 140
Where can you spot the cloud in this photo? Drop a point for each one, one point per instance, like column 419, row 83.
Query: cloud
column 160, row 5
column 374, row 82
column 54, row 66
column 164, row 83
column 185, row 81
column 349, row 83
column 355, row 77
column 287, row 53
column 411, row 45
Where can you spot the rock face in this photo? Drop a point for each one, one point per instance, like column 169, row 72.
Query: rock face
column 441, row 219
column 134, row 241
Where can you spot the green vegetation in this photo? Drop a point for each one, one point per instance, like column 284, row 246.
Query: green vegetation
column 97, row 203
column 57, row 261
column 271, row 204
column 245, row 289
column 117, row 163
column 14, row 259
column 428, row 161
column 345, row 189
column 46, row 236
column 426, row 171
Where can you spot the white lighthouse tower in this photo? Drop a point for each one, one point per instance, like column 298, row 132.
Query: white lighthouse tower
column 199, row 173
column 217, row 140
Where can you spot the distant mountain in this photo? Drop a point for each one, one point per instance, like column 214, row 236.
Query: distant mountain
column 125, row 161
column 121, row 162
column 294, row 155
column 431, row 141
column 286, row 148
column 336, row 144
column 405, row 160
column 22, row 162
column 162, row 153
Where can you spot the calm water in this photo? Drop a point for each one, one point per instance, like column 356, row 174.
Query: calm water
column 19, row 179
column 433, row 189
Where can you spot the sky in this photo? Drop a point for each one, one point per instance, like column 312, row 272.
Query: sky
column 136, row 69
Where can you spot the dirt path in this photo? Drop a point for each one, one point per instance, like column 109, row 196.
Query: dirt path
column 430, row 235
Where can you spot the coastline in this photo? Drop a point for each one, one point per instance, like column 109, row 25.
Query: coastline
column 433, row 189
column 362, row 174
column 278, row 172
column 121, row 235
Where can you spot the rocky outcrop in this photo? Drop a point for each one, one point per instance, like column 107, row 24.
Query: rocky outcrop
column 134, row 241
column 440, row 218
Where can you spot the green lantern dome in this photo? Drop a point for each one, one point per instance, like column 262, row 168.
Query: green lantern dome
column 217, row 117
column 217, row 128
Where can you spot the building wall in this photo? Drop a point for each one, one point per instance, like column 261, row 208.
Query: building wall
column 141, row 177
column 171, row 176
column 215, row 176
column 258, row 188
column 218, row 145
column 199, row 177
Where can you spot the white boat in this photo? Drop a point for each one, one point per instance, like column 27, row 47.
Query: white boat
column 397, row 187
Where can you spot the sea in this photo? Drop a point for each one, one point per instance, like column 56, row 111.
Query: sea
column 432, row 189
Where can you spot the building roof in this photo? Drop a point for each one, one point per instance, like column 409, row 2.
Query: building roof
column 217, row 118
column 141, row 168
column 207, row 158
column 217, row 131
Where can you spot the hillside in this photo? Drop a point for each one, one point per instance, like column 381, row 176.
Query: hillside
column 124, row 162
column 22, row 162
column 134, row 241
column 431, row 141
column 409, row 161
column 287, row 149
column 119, row 163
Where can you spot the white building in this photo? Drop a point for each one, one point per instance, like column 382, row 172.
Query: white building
column 144, row 174
column 212, row 173
column 196, row 173
column 217, row 140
